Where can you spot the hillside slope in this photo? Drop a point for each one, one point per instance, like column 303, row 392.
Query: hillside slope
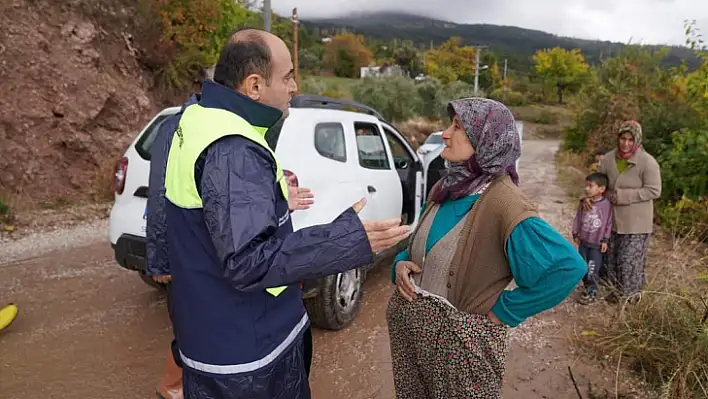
column 73, row 96
column 517, row 44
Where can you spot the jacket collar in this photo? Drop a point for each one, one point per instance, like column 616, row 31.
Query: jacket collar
column 215, row 95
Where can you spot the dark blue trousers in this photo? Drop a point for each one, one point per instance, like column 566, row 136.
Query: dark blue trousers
column 595, row 260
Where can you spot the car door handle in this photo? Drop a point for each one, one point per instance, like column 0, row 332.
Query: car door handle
column 371, row 189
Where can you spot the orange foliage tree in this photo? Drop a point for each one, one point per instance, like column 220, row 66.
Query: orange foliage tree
column 346, row 54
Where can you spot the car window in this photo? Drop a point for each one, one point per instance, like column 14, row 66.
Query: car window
column 434, row 139
column 144, row 144
column 330, row 142
column 370, row 146
column 401, row 157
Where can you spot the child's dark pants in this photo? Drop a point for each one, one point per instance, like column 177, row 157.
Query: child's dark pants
column 595, row 260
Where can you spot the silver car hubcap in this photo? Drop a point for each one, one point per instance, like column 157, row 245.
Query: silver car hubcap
column 348, row 284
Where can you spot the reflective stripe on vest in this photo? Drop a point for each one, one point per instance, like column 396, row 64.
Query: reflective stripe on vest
column 198, row 128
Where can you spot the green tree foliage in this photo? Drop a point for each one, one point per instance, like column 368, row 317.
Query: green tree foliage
column 562, row 69
column 407, row 57
column 452, row 61
column 346, row 54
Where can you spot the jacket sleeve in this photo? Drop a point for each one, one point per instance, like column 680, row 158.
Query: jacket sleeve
column 237, row 189
column 546, row 269
column 651, row 185
column 156, row 228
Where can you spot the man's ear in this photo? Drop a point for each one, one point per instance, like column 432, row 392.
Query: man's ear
column 252, row 87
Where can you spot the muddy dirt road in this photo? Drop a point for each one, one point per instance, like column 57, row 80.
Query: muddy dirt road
column 89, row 329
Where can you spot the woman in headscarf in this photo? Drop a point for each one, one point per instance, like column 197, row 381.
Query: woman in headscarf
column 635, row 182
column 449, row 316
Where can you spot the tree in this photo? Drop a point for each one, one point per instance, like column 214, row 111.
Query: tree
column 560, row 68
column 451, row 61
column 407, row 57
column 346, row 54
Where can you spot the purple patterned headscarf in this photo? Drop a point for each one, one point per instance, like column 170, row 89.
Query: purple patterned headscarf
column 491, row 128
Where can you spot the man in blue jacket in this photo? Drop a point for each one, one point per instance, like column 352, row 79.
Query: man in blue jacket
column 170, row 386
column 234, row 259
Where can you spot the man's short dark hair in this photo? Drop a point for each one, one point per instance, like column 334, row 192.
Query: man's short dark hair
column 601, row 151
column 598, row 178
column 245, row 53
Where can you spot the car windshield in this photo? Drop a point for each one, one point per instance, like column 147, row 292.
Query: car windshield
column 434, row 139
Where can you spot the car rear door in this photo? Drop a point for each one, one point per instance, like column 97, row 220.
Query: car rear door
column 375, row 172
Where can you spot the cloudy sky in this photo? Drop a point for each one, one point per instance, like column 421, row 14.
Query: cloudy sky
column 646, row 21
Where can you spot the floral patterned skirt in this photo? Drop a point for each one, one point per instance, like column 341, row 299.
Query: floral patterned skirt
column 626, row 257
column 439, row 352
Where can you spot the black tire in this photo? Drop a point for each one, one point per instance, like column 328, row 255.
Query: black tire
column 152, row 283
column 327, row 310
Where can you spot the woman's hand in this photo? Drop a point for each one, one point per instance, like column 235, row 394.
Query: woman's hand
column 613, row 197
column 491, row 316
column 404, row 269
column 586, row 204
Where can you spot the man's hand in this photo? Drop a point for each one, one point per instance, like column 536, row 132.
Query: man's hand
column 299, row 198
column 382, row 234
column 603, row 247
column 404, row 269
column 586, row 204
column 576, row 241
column 162, row 279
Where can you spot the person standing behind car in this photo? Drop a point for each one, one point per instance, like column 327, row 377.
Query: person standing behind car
column 157, row 262
column 235, row 261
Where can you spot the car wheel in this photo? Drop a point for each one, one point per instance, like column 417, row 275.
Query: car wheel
column 152, row 283
column 338, row 301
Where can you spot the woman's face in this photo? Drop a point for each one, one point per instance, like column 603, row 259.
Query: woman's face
column 457, row 146
column 626, row 142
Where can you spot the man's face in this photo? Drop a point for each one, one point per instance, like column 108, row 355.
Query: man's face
column 282, row 86
column 599, row 157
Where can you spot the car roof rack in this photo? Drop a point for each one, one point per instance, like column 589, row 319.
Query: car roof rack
column 310, row 101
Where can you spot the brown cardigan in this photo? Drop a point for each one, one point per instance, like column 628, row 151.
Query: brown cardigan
column 480, row 271
column 636, row 189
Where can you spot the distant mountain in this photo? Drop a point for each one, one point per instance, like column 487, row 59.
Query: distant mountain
column 517, row 44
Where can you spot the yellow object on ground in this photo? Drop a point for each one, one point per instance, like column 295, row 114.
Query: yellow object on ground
column 7, row 315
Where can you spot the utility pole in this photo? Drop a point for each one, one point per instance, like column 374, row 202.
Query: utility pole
column 476, row 70
column 295, row 48
column 266, row 15
column 505, row 72
column 504, row 82
column 478, row 50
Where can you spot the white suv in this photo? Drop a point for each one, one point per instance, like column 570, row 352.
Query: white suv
column 341, row 150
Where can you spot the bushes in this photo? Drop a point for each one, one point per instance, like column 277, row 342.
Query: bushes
column 665, row 336
column 400, row 98
column 509, row 97
column 320, row 86
column 395, row 98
